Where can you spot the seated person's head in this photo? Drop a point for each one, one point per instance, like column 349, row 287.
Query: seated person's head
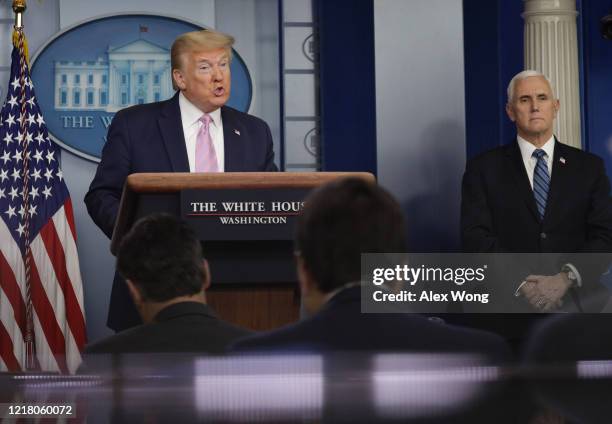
column 340, row 221
column 161, row 260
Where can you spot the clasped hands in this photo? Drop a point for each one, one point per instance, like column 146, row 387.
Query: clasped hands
column 545, row 292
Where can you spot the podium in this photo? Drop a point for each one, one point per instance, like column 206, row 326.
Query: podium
column 245, row 221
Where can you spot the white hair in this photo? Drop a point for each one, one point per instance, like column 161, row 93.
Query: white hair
column 524, row 75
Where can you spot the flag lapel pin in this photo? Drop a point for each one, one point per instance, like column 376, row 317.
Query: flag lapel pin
column 236, row 132
column 562, row 160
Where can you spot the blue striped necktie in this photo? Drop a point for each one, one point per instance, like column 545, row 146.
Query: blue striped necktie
column 541, row 181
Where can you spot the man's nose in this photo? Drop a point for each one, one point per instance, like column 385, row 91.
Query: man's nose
column 217, row 74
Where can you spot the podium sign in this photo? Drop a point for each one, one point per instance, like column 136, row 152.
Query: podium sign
column 243, row 214
column 245, row 220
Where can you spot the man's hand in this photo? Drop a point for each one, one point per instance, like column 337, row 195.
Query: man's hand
column 529, row 291
column 544, row 292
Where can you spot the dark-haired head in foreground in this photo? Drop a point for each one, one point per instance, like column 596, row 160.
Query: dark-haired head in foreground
column 340, row 221
column 161, row 260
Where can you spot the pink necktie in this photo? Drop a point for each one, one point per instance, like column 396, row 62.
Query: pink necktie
column 205, row 156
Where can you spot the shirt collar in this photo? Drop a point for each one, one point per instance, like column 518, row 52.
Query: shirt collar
column 191, row 114
column 527, row 148
column 333, row 293
column 183, row 308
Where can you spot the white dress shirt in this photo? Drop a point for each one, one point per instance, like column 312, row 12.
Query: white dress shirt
column 190, row 118
column 530, row 162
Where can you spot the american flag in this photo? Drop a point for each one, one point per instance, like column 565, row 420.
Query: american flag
column 42, row 323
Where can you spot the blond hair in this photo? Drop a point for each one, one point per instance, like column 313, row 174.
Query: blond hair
column 202, row 40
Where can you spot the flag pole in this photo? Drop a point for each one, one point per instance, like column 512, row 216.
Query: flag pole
column 19, row 6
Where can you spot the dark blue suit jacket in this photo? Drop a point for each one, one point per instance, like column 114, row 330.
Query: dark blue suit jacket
column 149, row 138
column 499, row 214
column 341, row 326
column 181, row 327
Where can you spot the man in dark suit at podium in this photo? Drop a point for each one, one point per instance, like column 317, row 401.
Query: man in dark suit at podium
column 339, row 222
column 191, row 132
column 167, row 276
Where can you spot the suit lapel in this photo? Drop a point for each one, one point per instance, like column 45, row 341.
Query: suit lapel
column 558, row 179
column 171, row 129
column 519, row 175
column 233, row 136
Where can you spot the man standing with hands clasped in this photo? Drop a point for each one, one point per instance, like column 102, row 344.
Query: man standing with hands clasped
column 538, row 195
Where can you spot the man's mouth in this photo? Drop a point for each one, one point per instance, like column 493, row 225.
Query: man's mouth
column 219, row 91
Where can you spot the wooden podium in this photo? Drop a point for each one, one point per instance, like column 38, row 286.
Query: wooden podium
column 253, row 279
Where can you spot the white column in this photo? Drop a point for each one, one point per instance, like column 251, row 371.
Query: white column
column 110, row 96
column 166, row 83
column 551, row 47
column 150, row 97
column 132, row 84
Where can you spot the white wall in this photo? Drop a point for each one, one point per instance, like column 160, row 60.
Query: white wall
column 420, row 112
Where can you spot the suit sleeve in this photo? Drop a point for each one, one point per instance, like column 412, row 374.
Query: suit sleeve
column 269, row 165
column 594, row 258
column 477, row 233
column 104, row 193
column 599, row 218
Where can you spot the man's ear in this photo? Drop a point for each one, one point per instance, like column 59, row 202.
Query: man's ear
column 206, row 272
column 305, row 280
column 177, row 77
column 510, row 112
column 556, row 106
column 134, row 292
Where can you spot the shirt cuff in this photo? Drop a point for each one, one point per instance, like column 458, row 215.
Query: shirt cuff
column 517, row 293
column 570, row 268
